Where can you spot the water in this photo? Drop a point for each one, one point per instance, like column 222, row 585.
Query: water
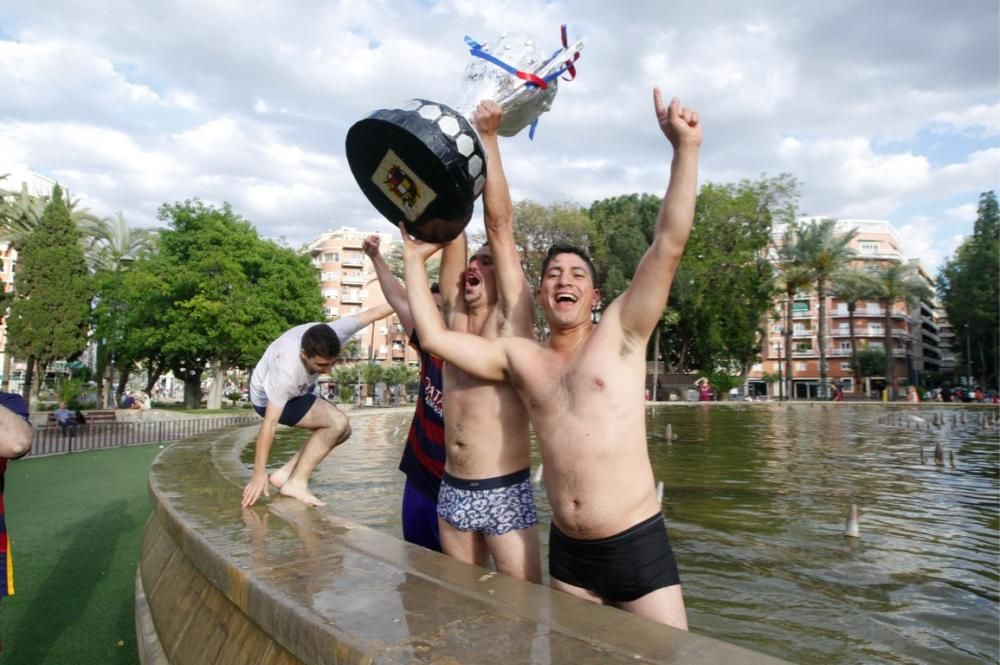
column 756, row 498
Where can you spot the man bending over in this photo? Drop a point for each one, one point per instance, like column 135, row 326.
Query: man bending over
column 583, row 391
column 281, row 390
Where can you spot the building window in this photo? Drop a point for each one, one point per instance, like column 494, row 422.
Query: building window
column 800, row 367
column 800, row 307
column 847, row 384
column 329, row 258
column 846, row 367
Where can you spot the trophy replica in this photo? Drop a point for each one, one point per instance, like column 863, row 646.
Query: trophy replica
column 423, row 163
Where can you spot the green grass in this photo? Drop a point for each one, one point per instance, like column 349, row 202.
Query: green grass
column 76, row 525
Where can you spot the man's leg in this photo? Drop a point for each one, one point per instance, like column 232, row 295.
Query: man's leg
column 664, row 605
column 517, row 554
column 574, row 590
column 467, row 546
column 330, row 427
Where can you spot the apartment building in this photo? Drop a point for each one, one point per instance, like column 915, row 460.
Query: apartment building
column 915, row 333
column 349, row 286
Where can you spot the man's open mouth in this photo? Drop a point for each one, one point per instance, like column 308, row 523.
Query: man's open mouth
column 472, row 279
column 565, row 298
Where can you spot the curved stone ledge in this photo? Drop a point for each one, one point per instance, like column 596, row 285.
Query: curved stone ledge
column 283, row 583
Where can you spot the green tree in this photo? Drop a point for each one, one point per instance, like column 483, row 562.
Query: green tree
column 822, row 253
column 538, row 227
column 213, row 296
column 111, row 247
column 50, row 312
column 725, row 284
column 869, row 361
column 400, row 375
column 896, row 282
column 969, row 287
column 850, row 286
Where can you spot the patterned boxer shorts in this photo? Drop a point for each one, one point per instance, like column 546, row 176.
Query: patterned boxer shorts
column 493, row 506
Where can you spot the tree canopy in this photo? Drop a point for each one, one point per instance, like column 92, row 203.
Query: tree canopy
column 50, row 313
column 969, row 287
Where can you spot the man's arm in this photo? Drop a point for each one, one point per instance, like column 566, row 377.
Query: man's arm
column 451, row 278
column 480, row 357
column 392, row 289
column 513, row 293
column 374, row 314
column 15, row 441
column 258, row 481
column 641, row 305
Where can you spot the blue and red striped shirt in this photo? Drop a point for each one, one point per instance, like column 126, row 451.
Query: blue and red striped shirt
column 16, row 404
column 423, row 456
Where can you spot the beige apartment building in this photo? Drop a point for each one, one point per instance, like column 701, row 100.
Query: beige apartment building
column 349, row 286
column 916, row 333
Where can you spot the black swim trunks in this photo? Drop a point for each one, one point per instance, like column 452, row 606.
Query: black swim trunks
column 622, row 567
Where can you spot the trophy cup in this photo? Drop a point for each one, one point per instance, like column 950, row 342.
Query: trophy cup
column 423, row 163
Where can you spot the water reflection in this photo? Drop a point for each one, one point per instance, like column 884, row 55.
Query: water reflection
column 756, row 497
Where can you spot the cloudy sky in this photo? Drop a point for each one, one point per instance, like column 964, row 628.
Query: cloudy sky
column 884, row 109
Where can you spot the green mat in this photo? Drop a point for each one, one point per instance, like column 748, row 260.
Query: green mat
column 75, row 523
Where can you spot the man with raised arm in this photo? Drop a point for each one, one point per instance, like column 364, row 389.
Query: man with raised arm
column 281, row 390
column 424, row 453
column 584, row 392
column 486, row 504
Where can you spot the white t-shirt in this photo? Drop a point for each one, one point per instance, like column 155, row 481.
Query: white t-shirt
column 280, row 375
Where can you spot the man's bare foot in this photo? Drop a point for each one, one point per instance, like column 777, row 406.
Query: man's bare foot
column 301, row 493
column 279, row 478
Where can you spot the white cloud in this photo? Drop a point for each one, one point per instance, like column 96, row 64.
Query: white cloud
column 979, row 118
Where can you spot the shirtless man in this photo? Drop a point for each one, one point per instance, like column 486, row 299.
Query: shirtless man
column 281, row 390
column 487, row 439
column 583, row 391
column 424, row 453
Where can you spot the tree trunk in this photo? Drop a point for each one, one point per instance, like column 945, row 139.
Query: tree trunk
column 99, row 368
column 218, row 382
column 788, row 346
column 155, row 372
column 120, row 388
column 192, row 391
column 29, row 377
column 37, row 382
column 854, row 348
column 890, row 359
column 821, row 336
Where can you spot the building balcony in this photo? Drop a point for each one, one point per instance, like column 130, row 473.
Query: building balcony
column 348, row 298
column 802, row 315
column 804, row 353
column 353, row 262
column 803, row 333
column 358, row 279
column 839, row 353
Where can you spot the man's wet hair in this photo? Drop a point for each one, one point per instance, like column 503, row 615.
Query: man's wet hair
column 322, row 341
column 563, row 248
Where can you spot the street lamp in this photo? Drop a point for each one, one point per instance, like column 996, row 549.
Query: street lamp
column 968, row 356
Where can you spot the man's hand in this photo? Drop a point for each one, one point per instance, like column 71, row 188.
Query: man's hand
column 258, row 484
column 487, row 117
column 371, row 246
column 417, row 249
column 679, row 124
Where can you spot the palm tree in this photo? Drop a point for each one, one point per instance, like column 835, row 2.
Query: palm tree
column 21, row 212
column 110, row 246
column 111, row 243
column 794, row 277
column 851, row 285
column 897, row 281
column 823, row 253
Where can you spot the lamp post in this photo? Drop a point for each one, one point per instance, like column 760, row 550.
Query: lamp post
column 968, row 356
